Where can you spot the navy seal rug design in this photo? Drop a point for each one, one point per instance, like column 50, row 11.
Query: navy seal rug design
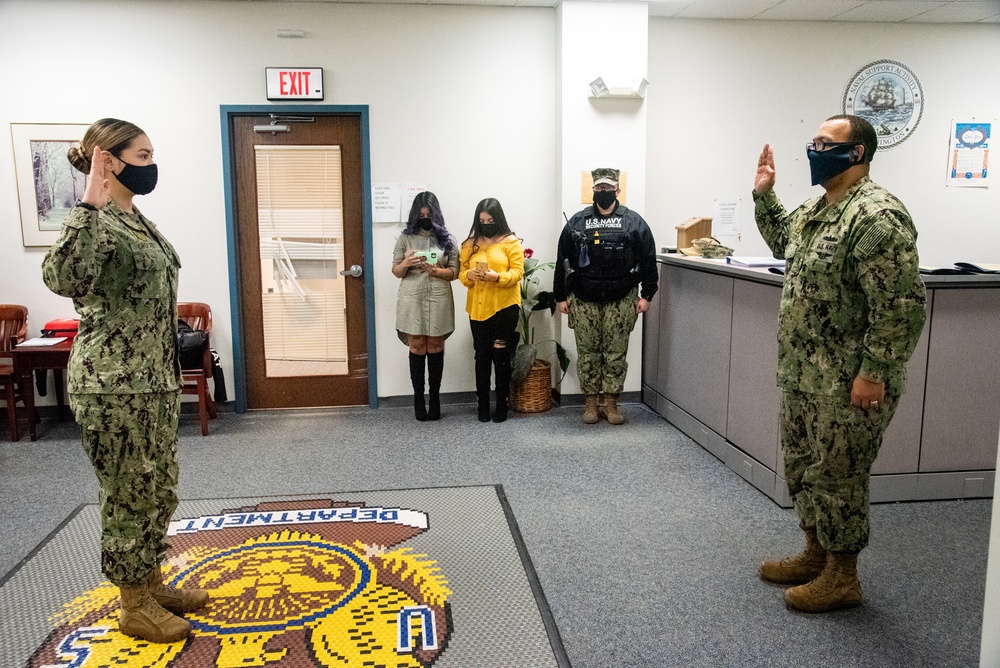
column 415, row 578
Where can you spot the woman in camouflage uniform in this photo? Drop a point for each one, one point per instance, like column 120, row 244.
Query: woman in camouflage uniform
column 124, row 378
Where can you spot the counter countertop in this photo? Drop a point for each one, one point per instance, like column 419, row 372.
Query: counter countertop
column 762, row 275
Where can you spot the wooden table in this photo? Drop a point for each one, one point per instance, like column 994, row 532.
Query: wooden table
column 26, row 360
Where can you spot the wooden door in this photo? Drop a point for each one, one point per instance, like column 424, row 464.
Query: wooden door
column 300, row 241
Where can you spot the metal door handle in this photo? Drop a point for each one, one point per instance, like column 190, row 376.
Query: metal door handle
column 354, row 271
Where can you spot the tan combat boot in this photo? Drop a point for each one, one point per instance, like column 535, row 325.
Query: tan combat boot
column 611, row 411
column 142, row 617
column 590, row 415
column 177, row 601
column 803, row 567
column 836, row 587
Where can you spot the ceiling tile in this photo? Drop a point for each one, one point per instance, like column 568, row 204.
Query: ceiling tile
column 889, row 11
column 726, row 9
column 808, row 10
column 959, row 12
column 667, row 7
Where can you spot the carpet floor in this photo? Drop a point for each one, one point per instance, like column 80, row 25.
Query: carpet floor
column 645, row 545
column 402, row 578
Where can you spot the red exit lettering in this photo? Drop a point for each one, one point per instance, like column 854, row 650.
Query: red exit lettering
column 293, row 82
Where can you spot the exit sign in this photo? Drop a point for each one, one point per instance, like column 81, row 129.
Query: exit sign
column 294, row 83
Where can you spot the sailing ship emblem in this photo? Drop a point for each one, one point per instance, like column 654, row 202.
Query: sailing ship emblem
column 888, row 95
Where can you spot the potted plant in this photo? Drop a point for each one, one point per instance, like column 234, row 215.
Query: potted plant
column 531, row 376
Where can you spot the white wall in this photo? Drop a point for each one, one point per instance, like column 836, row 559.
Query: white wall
column 720, row 89
column 460, row 97
column 465, row 98
column 603, row 132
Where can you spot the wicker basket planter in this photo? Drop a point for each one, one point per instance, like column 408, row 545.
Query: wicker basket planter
column 534, row 395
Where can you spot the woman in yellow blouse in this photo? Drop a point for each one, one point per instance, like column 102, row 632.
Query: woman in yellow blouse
column 491, row 264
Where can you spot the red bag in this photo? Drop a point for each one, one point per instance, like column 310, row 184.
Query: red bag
column 61, row 327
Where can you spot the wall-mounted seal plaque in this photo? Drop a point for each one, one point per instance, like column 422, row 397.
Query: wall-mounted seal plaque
column 887, row 95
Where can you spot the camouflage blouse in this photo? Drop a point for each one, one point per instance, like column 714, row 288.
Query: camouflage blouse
column 853, row 300
column 121, row 274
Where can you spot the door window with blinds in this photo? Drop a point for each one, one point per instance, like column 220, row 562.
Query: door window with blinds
column 301, row 223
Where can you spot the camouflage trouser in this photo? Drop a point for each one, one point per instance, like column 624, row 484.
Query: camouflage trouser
column 131, row 440
column 602, row 332
column 829, row 450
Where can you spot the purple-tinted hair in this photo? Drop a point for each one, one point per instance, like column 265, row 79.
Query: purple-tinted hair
column 430, row 200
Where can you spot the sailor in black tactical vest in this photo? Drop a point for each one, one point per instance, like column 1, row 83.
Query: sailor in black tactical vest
column 605, row 252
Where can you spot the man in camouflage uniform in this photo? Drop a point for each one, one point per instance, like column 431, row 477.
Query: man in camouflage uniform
column 124, row 379
column 852, row 308
column 605, row 251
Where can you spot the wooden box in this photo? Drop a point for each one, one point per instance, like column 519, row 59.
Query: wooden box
column 691, row 229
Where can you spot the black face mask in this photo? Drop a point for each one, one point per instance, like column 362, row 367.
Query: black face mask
column 487, row 230
column 425, row 223
column 605, row 198
column 824, row 165
column 140, row 180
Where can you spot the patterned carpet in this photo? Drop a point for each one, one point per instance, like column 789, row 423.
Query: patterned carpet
column 399, row 578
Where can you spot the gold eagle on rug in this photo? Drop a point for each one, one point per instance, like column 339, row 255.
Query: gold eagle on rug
column 292, row 583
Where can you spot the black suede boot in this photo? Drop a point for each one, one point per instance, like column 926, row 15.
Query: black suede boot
column 417, row 378
column 435, row 369
column 484, row 364
column 501, row 362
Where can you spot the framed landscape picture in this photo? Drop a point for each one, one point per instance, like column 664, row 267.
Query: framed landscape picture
column 47, row 184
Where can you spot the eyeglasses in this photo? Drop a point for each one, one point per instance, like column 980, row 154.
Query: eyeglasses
column 827, row 145
column 605, row 188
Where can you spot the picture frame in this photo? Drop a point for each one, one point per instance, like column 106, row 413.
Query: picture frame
column 47, row 184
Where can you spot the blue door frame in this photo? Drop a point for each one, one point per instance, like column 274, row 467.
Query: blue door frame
column 227, row 112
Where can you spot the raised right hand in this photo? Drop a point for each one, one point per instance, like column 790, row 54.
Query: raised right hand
column 764, row 181
column 96, row 193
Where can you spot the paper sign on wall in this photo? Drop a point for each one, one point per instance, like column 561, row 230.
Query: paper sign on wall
column 726, row 218
column 391, row 202
column 969, row 155
column 386, row 202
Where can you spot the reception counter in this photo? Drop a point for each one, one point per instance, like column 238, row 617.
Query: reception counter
column 709, row 367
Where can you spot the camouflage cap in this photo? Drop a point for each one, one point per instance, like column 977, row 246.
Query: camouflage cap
column 605, row 175
column 707, row 247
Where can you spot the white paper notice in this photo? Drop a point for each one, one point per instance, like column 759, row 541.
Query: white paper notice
column 969, row 155
column 726, row 218
column 410, row 193
column 386, row 202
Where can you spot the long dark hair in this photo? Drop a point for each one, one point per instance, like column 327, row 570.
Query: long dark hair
column 490, row 205
column 430, row 200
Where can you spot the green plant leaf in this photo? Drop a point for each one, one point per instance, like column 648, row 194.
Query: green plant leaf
column 524, row 357
column 563, row 357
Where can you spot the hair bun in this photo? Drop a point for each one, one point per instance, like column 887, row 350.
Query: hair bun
column 79, row 159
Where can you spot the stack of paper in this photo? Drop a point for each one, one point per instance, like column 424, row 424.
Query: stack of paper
column 745, row 261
